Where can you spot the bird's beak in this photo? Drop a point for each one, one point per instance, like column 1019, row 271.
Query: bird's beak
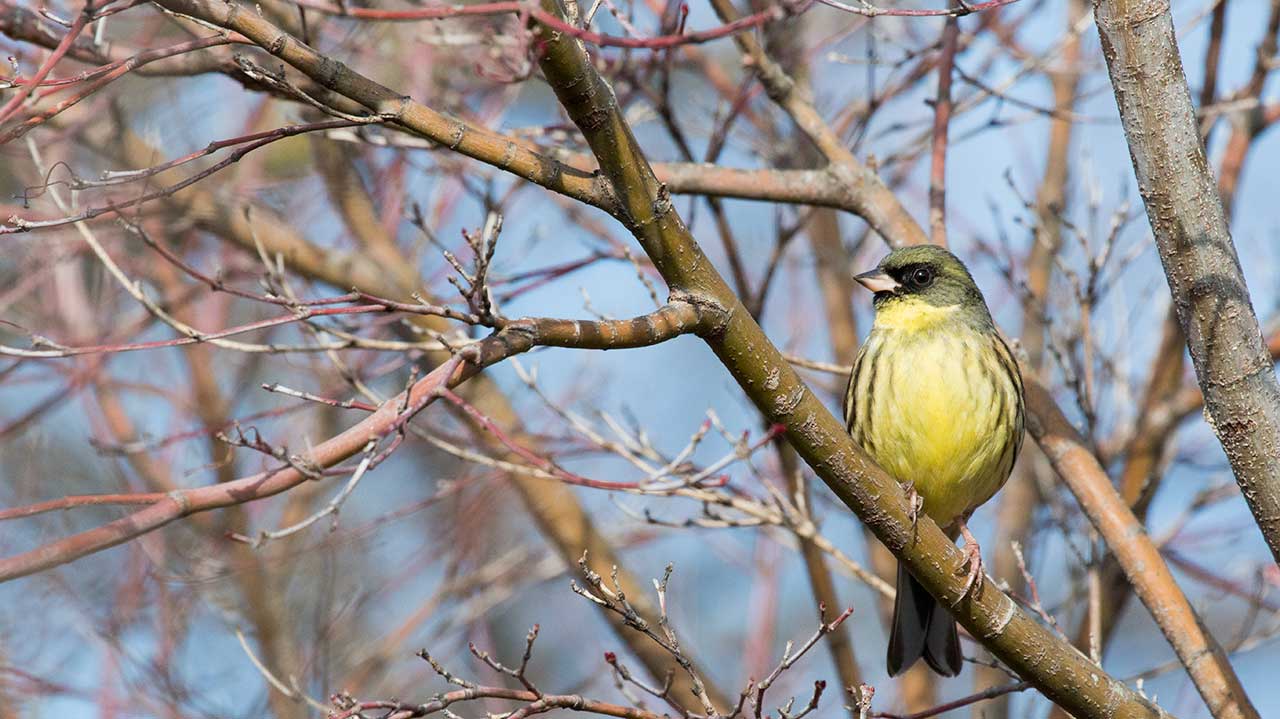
column 877, row 281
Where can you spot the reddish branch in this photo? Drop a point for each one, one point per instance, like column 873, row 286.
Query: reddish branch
column 77, row 26
column 529, row 456
column 245, row 145
column 974, row 698
column 85, row 500
column 1210, row 670
column 301, row 315
column 960, row 10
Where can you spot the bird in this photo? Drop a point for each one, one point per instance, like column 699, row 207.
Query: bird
column 935, row 397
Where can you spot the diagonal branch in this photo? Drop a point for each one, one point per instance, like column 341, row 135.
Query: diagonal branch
column 1215, row 680
column 1138, row 555
column 1053, row 666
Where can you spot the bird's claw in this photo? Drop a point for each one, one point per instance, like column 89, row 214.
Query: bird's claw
column 915, row 504
column 973, row 563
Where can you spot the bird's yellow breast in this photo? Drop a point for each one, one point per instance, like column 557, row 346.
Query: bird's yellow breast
column 937, row 412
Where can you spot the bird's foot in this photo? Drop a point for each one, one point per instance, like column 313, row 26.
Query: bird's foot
column 915, row 504
column 973, row 561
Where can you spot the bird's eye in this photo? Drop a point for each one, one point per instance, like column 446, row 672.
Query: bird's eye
column 921, row 277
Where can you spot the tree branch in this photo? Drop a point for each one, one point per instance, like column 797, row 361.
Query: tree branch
column 1053, row 666
column 1242, row 395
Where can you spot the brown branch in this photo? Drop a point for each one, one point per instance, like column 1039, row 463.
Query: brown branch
column 1212, row 58
column 1242, row 394
column 1247, row 128
column 1145, row 450
column 994, row 692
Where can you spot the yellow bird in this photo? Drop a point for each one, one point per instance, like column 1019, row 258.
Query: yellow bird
column 935, row 397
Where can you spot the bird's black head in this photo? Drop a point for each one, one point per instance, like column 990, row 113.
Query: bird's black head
column 927, row 274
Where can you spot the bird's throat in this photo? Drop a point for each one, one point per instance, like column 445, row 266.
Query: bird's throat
column 912, row 314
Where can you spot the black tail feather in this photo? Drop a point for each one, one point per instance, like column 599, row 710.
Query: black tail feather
column 921, row 628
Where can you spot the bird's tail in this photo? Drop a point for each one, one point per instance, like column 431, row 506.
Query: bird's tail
column 921, row 628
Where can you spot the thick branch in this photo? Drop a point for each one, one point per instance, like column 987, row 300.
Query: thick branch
column 1242, row 395
column 1056, row 668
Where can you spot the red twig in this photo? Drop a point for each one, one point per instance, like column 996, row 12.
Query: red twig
column 140, row 445
column 299, row 316
column 18, row 224
column 15, row 102
column 959, row 11
column 259, row 138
